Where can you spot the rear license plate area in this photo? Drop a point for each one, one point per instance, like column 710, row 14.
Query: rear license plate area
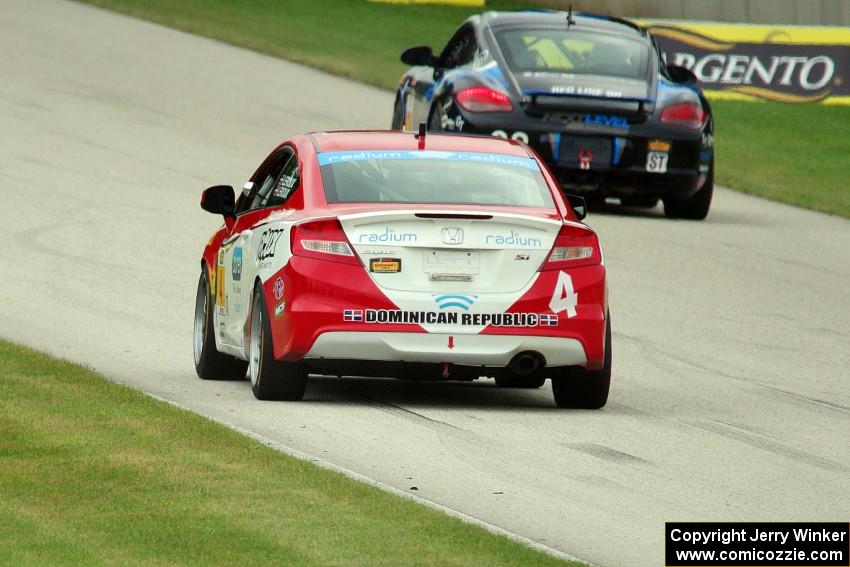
column 451, row 265
column 575, row 150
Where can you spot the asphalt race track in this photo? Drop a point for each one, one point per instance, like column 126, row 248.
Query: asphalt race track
column 731, row 388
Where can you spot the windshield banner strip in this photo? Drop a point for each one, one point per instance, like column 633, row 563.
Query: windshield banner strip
column 330, row 158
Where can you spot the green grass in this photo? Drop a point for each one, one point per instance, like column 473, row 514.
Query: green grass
column 95, row 473
column 799, row 154
column 796, row 153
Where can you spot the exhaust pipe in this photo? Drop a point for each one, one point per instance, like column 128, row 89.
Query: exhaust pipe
column 525, row 363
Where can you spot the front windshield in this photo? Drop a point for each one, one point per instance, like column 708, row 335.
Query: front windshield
column 569, row 51
column 433, row 177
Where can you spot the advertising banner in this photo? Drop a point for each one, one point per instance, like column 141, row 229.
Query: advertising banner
column 743, row 61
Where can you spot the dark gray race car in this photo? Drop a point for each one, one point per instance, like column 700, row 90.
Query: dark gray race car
column 591, row 94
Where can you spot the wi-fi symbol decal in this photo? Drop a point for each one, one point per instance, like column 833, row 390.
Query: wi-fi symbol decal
column 458, row 301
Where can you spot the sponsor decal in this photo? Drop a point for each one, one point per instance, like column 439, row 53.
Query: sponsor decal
column 236, row 264
column 398, row 316
column 594, row 122
column 388, row 235
column 452, row 235
column 220, row 298
column 385, row 265
column 585, row 91
column 268, row 243
column 278, row 311
column 330, row 158
column 785, row 63
column 659, row 146
column 454, row 301
column 278, row 289
column 513, row 238
column 451, row 124
column 284, row 186
column 606, row 120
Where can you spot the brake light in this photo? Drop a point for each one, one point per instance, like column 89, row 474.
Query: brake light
column 483, row 99
column 574, row 246
column 322, row 239
column 684, row 114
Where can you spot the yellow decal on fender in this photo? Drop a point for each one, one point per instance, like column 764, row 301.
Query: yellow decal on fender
column 219, row 286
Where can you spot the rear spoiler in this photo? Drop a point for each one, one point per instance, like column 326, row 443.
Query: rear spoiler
column 544, row 102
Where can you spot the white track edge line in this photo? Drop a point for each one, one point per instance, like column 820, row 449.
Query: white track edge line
column 327, row 465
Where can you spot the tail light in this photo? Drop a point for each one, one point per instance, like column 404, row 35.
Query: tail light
column 324, row 240
column 574, row 246
column 684, row 114
column 483, row 99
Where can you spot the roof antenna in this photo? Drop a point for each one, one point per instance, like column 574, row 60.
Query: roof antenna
column 421, row 135
column 570, row 20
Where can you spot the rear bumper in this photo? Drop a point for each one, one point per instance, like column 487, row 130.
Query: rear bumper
column 623, row 171
column 312, row 321
column 468, row 350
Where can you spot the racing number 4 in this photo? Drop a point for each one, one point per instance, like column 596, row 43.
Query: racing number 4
column 564, row 297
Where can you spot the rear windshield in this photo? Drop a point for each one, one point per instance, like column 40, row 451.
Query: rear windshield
column 433, row 177
column 569, row 51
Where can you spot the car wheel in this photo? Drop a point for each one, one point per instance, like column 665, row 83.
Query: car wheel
column 575, row 387
column 209, row 363
column 270, row 379
column 697, row 205
column 398, row 115
column 514, row 381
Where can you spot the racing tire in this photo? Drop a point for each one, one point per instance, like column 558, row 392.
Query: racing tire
column 209, row 363
column 697, row 205
column 270, row 379
column 398, row 116
column 575, row 387
column 513, row 381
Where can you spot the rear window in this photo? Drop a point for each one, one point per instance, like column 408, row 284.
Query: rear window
column 569, row 51
column 433, row 177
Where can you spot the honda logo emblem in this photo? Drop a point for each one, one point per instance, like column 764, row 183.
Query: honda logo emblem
column 452, row 236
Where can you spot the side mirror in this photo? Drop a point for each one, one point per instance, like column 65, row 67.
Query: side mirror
column 219, row 200
column 681, row 75
column 579, row 205
column 418, row 55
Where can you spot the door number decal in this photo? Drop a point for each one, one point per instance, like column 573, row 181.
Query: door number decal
column 564, row 298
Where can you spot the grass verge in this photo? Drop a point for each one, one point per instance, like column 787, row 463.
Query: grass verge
column 95, row 473
column 799, row 154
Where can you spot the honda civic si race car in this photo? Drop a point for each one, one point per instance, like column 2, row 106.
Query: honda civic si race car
column 591, row 94
column 408, row 256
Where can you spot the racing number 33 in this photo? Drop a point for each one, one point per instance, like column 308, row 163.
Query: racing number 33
column 564, row 297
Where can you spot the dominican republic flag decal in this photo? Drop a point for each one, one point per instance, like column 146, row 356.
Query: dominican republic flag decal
column 546, row 319
column 352, row 315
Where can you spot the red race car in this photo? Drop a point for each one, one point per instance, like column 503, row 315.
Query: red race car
column 419, row 256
